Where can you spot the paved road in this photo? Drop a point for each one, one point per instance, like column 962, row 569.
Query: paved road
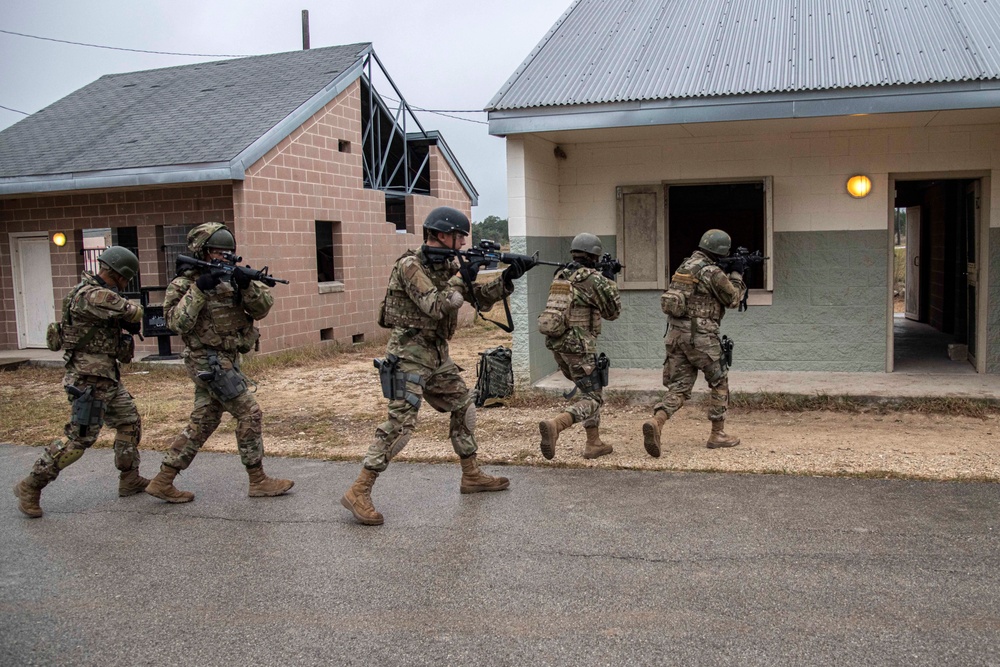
column 569, row 567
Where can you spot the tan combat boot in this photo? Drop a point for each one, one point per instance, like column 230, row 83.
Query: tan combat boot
column 262, row 486
column 358, row 499
column 550, row 429
column 651, row 430
column 475, row 480
column 595, row 447
column 719, row 437
column 162, row 486
column 28, row 496
column 130, row 483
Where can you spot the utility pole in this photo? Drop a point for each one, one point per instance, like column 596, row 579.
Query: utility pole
column 305, row 29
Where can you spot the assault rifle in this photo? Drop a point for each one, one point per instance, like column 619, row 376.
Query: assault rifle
column 228, row 268
column 486, row 255
column 748, row 260
column 609, row 265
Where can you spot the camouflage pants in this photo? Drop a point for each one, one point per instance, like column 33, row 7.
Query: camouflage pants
column 587, row 408
column 445, row 391
column 205, row 418
column 686, row 355
column 117, row 411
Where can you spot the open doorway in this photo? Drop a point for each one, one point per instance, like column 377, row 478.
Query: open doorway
column 935, row 237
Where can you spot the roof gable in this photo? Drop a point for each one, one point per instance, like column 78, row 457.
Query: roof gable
column 603, row 52
column 205, row 114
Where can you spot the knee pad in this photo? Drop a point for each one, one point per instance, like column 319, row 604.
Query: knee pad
column 66, row 456
column 396, row 446
column 463, row 420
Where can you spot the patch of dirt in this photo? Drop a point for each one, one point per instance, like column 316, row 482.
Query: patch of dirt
column 329, row 409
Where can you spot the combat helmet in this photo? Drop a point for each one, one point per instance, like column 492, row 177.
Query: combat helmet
column 716, row 242
column 447, row 220
column 120, row 260
column 588, row 243
column 210, row 235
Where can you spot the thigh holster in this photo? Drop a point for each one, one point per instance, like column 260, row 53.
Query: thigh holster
column 87, row 410
column 394, row 380
column 226, row 384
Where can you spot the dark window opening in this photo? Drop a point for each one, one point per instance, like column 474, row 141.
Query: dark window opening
column 736, row 208
column 329, row 252
column 395, row 211
column 344, row 146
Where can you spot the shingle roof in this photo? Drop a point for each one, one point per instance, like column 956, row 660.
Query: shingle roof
column 613, row 51
column 189, row 115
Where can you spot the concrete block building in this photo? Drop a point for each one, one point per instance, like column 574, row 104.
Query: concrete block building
column 319, row 177
column 649, row 122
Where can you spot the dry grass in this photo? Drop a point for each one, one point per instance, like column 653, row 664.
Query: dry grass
column 324, row 402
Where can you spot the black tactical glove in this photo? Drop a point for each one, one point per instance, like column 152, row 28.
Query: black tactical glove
column 738, row 264
column 242, row 277
column 518, row 267
column 207, row 281
column 132, row 327
column 468, row 271
column 609, row 273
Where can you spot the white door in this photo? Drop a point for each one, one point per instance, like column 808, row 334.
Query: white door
column 913, row 263
column 33, row 298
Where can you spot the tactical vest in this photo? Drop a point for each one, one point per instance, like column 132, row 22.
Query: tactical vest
column 92, row 335
column 584, row 316
column 222, row 323
column 687, row 296
column 399, row 310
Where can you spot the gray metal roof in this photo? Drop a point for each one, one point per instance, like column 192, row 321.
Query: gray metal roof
column 606, row 52
column 208, row 121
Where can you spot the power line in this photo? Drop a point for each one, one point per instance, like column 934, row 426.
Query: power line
column 444, row 112
column 15, row 110
column 118, row 48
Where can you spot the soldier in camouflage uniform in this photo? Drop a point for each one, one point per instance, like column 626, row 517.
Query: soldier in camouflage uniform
column 215, row 318
column 692, row 338
column 593, row 296
column 421, row 307
column 94, row 315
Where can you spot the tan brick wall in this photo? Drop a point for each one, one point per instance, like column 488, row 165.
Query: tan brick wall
column 272, row 213
column 304, row 179
column 146, row 209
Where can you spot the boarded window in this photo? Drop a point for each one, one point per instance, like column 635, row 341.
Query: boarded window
column 641, row 236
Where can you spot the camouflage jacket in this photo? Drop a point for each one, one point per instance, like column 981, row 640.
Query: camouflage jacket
column 220, row 319
column 714, row 292
column 416, row 306
column 92, row 303
column 594, row 297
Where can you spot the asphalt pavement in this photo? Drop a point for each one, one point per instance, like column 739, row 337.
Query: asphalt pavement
column 568, row 567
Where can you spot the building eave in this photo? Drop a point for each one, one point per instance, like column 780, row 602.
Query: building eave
column 118, row 178
column 812, row 104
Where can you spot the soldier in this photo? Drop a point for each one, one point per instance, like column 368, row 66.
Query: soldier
column 93, row 316
column 579, row 297
column 215, row 319
column 695, row 302
column 421, row 307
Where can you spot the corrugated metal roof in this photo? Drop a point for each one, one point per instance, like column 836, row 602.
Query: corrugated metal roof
column 607, row 51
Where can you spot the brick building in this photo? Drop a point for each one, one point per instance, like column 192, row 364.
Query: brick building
column 319, row 177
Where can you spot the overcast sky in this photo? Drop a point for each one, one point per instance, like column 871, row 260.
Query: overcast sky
column 442, row 54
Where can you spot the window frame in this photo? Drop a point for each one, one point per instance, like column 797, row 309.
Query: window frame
column 662, row 189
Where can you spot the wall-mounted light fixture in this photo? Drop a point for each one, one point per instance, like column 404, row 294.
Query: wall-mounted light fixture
column 859, row 186
column 59, row 239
